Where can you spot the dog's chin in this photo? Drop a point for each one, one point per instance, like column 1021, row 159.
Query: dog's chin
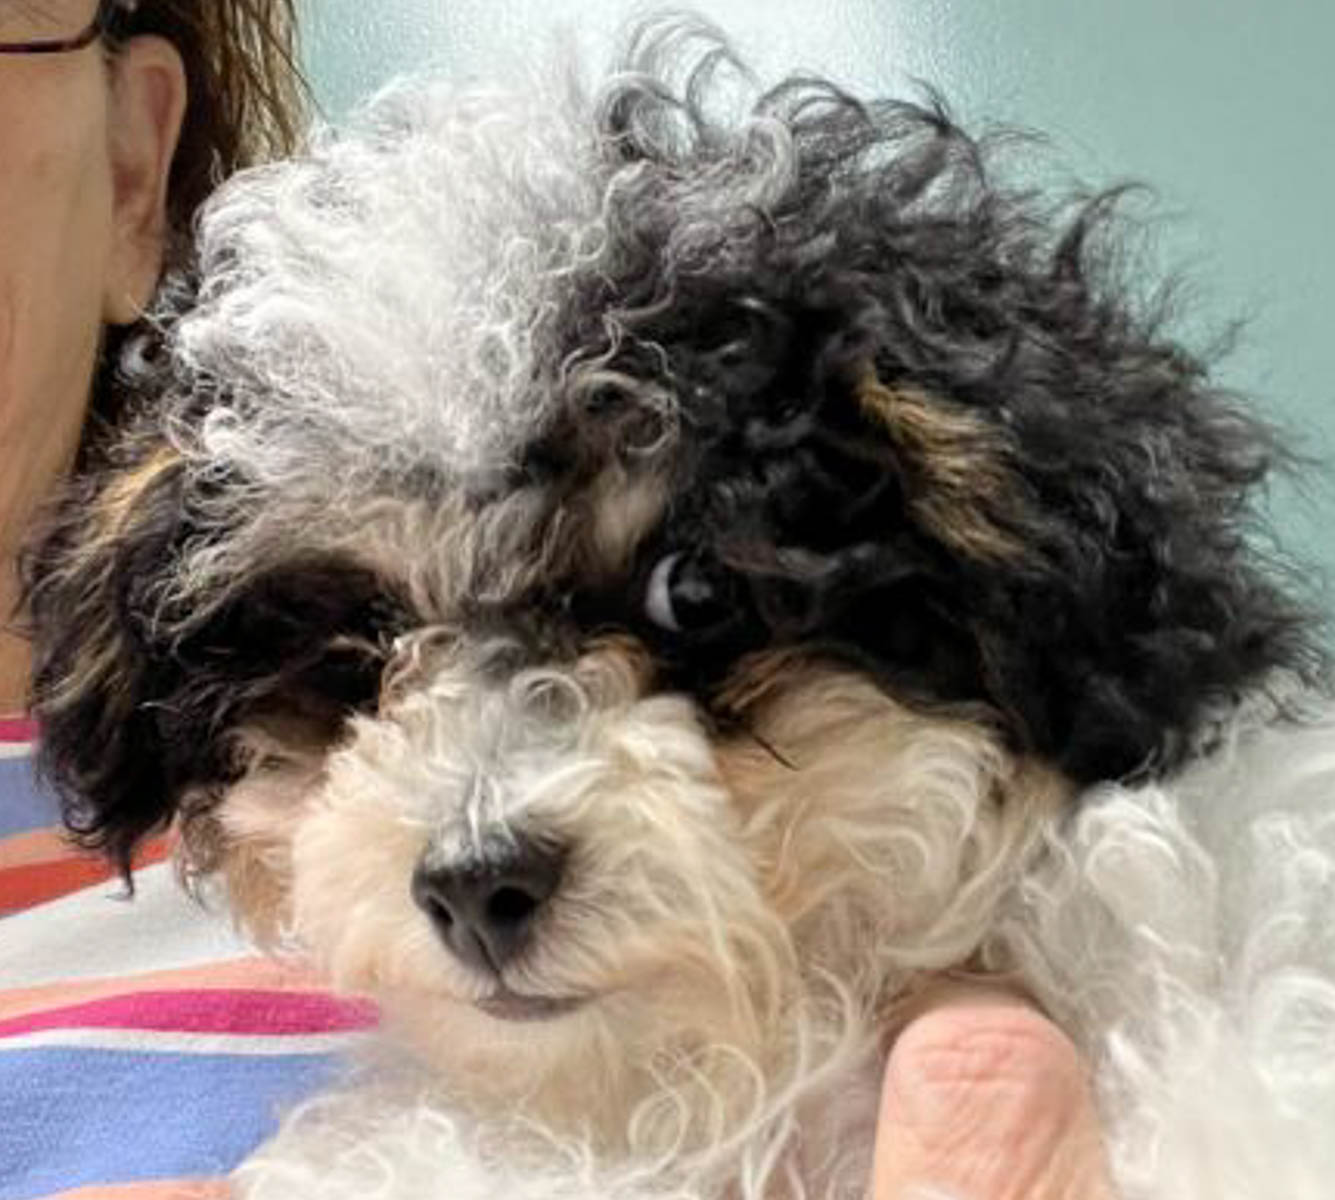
column 506, row 1005
column 432, row 1020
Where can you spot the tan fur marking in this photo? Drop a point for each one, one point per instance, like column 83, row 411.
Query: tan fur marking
column 622, row 510
column 759, row 677
column 114, row 510
column 958, row 482
column 918, row 821
column 90, row 563
column 616, row 668
column 115, row 505
column 247, row 834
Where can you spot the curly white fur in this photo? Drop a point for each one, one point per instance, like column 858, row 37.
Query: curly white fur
column 1180, row 932
column 737, row 927
column 479, row 211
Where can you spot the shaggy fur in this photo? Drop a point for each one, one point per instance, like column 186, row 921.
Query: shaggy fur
column 759, row 560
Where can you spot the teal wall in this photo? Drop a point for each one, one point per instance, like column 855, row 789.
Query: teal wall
column 1225, row 106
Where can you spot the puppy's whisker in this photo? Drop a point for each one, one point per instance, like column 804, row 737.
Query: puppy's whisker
column 768, row 747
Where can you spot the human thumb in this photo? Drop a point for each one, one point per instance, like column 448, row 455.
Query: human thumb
column 985, row 1099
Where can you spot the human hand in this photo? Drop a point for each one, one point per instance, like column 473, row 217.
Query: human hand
column 985, row 1099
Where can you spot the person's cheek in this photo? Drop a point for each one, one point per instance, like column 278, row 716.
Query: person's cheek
column 55, row 204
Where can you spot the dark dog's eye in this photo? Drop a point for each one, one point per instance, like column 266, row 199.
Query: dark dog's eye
column 683, row 596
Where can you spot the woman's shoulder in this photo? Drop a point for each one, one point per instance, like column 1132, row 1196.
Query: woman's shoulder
column 142, row 1003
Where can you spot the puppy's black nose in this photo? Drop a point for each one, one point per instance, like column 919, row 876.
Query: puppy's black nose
column 485, row 911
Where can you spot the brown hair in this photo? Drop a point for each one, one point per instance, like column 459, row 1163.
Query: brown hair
column 246, row 103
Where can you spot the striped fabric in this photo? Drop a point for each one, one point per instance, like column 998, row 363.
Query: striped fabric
column 144, row 1049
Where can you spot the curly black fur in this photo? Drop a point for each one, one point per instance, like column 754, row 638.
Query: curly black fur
column 130, row 733
column 1140, row 605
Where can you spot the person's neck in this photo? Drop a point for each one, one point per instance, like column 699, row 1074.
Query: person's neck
column 14, row 662
column 15, row 651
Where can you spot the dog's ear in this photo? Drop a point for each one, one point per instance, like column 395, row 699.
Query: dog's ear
column 1103, row 559
column 96, row 677
column 1068, row 535
column 142, row 680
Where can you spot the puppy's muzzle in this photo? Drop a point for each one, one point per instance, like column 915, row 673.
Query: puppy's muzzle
column 485, row 910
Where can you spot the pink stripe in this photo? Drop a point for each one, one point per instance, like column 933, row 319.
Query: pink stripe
column 155, row 1189
column 151, row 1189
column 17, row 729
column 206, row 1011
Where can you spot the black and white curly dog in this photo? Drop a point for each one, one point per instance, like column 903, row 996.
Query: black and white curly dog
column 640, row 579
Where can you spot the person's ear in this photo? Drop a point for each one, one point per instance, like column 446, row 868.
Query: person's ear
column 147, row 106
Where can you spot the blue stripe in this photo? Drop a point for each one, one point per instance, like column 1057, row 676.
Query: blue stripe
column 76, row 1117
column 24, row 803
